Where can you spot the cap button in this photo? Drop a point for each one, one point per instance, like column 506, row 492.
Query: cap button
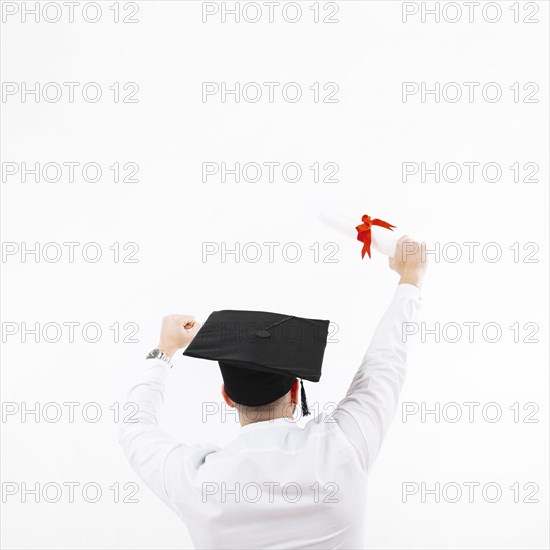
column 263, row 334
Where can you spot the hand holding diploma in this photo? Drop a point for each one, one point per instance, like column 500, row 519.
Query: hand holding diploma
column 407, row 256
column 409, row 261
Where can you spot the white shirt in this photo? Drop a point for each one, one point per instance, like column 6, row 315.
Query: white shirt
column 278, row 485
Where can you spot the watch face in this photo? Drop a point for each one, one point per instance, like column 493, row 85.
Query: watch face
column 153, row 354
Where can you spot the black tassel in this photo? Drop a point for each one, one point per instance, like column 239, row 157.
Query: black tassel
column 305, row 409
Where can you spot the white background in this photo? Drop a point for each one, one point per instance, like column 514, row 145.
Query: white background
column 170, row 212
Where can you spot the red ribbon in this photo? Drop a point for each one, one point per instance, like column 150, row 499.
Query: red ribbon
column 364, row 232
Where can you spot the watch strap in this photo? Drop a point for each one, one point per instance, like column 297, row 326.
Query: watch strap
column 157, row 354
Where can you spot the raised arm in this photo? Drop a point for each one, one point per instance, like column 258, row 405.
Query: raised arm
column 159, row 459
column 366, row 412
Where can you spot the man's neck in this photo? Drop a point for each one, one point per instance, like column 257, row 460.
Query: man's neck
column 246, row 418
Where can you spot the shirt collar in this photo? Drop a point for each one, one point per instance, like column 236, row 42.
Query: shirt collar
column 266, row 424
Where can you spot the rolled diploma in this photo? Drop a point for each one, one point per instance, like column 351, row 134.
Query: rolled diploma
column 383, row 240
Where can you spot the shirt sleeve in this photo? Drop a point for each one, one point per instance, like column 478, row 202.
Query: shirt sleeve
column 366, row 412
column 166, row 465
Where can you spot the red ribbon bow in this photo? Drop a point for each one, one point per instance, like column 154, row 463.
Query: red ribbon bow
column 364, row 232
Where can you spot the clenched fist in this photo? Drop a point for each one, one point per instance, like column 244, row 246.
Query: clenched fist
column 176, row 332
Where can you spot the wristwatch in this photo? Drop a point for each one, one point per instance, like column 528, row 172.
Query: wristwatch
column 157, row 354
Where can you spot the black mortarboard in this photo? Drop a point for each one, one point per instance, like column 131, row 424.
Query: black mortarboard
column 261, row 354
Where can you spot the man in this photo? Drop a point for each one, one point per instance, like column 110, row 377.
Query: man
column 276, row 485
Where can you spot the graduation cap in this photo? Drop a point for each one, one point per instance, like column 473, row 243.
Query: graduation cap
column 261, row 353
